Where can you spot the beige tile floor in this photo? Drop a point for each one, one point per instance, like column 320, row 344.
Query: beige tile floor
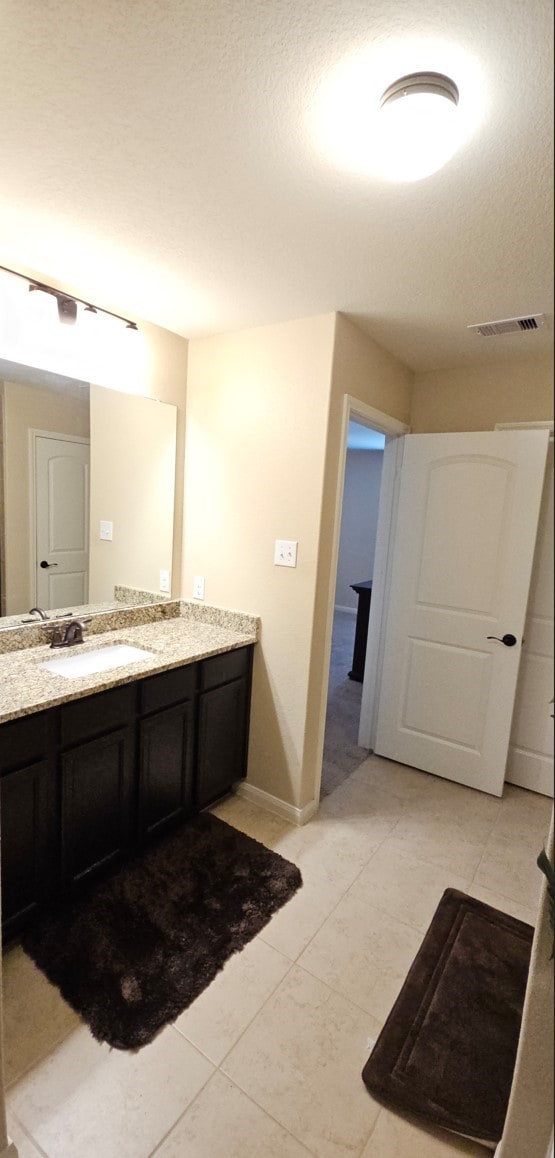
column 267, row 1062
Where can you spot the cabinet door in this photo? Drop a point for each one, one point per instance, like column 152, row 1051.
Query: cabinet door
column 29, row 861
column 97, row 803
column 222, row 740
column 166, row 774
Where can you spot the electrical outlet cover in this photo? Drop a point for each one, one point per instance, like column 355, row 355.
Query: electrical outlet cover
column 198, row 586
column 164, row 580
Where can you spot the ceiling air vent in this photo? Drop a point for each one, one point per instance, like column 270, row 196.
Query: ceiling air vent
column 508, row 325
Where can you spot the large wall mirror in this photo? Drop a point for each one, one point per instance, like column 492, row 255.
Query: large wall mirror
column 87, row 479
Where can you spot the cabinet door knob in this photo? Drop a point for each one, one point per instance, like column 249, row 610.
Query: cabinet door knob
column 508, row 640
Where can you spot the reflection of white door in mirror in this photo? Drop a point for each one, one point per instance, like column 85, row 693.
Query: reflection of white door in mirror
column 131, row 485
column 61, row 514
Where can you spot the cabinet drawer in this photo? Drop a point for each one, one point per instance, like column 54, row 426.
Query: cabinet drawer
column 96, row 714
column 24, row 741
column 220, row 669
column 170, row 687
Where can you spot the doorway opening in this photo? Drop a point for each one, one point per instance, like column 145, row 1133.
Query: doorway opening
column 353, row 594
column 369, row 461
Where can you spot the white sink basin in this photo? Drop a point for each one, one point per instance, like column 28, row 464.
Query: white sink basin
column 101, row 659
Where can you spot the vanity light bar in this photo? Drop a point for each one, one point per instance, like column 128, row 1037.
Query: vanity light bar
column 67, row 303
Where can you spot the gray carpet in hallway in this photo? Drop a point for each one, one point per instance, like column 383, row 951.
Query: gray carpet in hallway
column 341, row 751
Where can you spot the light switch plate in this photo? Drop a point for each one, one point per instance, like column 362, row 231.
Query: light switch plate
column 106, row 530
column 285, row 553
column 164, row 580
column 198, row 586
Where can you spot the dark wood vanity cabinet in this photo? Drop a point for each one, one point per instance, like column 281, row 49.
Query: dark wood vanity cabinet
column 96, row 760
column 85, row 785
column 28, row 812
column 222, row 734
column 166, row 746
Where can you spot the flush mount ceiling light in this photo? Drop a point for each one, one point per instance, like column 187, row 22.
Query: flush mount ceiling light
column 67, row 304
column 367, row 122
column 418, row 125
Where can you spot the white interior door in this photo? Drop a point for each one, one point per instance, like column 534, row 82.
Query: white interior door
column 462, row 559
column 530, row 761
column 62, row 521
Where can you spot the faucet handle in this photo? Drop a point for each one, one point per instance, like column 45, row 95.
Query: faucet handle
column 57, row 636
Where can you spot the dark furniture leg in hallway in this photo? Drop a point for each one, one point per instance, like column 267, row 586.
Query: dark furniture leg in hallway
column 364, row 592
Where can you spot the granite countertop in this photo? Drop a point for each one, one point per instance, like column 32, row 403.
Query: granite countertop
column 194, row 633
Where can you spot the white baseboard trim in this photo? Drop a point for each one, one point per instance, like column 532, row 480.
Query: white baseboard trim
column 339, row 607
column 9, row 1151
column 274, row 804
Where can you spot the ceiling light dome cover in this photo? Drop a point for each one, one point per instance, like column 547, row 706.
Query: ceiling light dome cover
column 434, row 83
column 416, row 129
column 360, row 123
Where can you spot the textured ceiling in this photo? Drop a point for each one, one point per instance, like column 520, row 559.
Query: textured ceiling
column 158, row 157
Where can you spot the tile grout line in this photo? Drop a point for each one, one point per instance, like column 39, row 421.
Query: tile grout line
column 268, row 1114
column 27, row 1134
column 234, row 1083
column 191, row 1103
column 249, row 1023
column 374, row 1127
column 257, row 1014
column 484, row 850
column 251, row 1097
column 342, row 996
column 491, row 836
column 341, row 899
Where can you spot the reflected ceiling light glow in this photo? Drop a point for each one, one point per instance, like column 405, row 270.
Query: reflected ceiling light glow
column 368, row 121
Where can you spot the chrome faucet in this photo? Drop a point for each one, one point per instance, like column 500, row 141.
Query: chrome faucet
column 38, row 611
column 70, row 633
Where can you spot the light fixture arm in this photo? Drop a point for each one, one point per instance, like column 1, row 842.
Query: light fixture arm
column 66, row 313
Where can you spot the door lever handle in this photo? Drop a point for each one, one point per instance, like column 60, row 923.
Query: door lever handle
column 44, row 564
column 508, row 640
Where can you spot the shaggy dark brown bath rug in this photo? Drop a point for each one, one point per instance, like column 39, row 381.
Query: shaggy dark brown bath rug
column 448, row 1048
column 136, row 951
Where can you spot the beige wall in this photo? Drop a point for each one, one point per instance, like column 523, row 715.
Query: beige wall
column 262, row 453
column 29, row 407
column 132, row 486
column 257, row 413
column 359, row 521
column 476, row 397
